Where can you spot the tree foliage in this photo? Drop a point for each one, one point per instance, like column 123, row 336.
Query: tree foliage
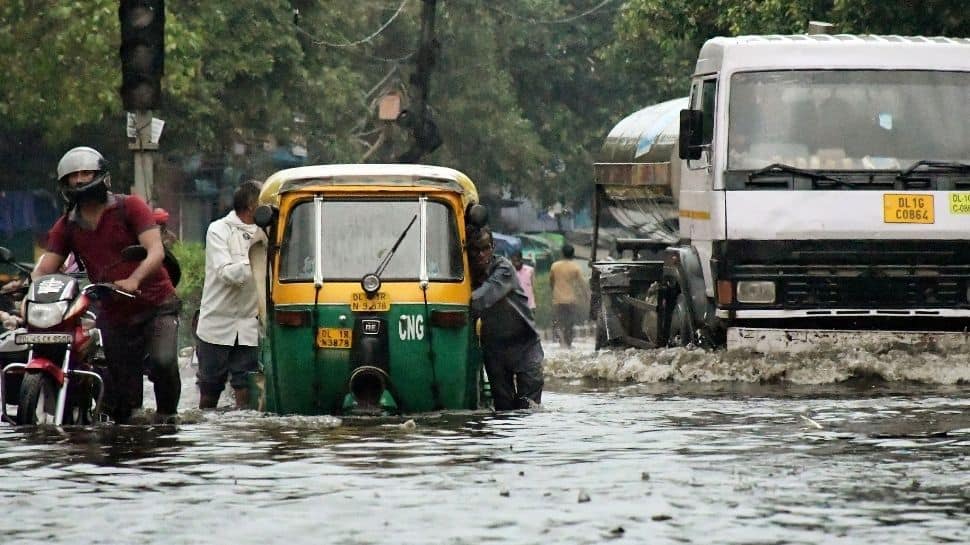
column 660, row 39
column 523, row 91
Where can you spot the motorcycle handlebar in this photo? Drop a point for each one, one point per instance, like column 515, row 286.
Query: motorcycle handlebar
column 14, row 290
column 100, row 289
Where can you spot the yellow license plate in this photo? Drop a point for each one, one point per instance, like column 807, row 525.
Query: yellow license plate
column 960, row 203
column 333, row 337
column 378, row 303
column 907, row 208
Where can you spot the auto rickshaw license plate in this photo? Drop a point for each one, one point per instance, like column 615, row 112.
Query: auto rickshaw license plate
column 907, row 208
column 378, row 303
column 333, row 337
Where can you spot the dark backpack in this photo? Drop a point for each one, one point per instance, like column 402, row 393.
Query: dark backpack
column 171, row 264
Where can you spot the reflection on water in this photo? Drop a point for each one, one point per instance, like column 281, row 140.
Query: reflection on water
column 615, row 453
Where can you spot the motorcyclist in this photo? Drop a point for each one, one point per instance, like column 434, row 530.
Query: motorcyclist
column 139, row 333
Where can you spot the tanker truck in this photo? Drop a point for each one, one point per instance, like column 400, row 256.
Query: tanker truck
column 812, row 189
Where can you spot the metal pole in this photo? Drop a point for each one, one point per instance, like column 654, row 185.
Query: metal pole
column 596, row 223
column 424, row 133
column 144, row 150
column 426, row 58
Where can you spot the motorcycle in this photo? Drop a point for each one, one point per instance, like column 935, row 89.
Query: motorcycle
column 62, row 381
column 11, row 296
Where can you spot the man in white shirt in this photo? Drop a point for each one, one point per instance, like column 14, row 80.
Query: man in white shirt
column 228, row 329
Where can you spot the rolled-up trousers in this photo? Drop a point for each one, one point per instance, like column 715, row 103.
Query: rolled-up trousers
column 514, row 373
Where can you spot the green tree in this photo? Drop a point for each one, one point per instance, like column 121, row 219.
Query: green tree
column 554, row 51
column 51, row 56
column 660, row 39
column 524, row 91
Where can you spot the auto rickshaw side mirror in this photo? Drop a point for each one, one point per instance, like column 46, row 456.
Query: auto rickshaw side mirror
column 265, row 215
column 477, row 215
column 6, row 255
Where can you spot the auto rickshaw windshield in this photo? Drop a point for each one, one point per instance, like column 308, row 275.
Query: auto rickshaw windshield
column 358, row 234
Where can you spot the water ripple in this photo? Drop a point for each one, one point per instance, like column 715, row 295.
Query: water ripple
column 665, row 446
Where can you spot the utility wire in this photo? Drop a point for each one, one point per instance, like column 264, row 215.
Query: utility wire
column 564, row 20
column 386, row 24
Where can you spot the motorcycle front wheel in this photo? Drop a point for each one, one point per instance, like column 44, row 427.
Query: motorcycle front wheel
column 38, row 400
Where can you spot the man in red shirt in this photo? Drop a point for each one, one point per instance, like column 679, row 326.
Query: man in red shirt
column 140, row 333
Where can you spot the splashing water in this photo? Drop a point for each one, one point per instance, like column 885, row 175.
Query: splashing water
column 889, row 362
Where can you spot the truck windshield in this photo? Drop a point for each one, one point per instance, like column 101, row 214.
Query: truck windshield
column 357, row 234
column 847, row 119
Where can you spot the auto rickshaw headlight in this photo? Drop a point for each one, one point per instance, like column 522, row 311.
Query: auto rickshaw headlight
column 371, row 283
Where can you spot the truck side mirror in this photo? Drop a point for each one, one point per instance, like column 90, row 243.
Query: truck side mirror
column 690, row 141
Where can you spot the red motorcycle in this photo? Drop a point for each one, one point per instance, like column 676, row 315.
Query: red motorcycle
column 62, row 379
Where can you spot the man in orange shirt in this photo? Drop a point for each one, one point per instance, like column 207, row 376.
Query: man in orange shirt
column 568, row 291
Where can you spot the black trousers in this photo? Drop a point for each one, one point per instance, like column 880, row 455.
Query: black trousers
column 514, row 373
column 148, row 343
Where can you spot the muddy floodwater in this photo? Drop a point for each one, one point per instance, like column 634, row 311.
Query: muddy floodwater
column 665, row 446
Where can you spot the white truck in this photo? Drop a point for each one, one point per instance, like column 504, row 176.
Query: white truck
column 821, row 188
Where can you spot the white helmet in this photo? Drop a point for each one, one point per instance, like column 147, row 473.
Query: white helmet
column 76, row 160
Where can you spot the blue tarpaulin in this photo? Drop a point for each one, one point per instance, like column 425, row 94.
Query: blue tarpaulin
column 506, row 244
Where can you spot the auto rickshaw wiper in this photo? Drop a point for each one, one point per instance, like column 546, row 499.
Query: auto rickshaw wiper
column 781, row 168
column 390, row 254
column 929, row 164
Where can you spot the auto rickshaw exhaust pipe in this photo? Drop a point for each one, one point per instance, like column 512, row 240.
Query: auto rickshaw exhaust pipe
column 367, row 385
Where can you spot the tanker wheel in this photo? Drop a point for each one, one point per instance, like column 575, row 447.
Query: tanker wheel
column 681, row 331
column 38, row 400
column 601, row 339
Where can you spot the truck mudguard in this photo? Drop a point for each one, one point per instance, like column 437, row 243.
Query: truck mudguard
column 682, row 266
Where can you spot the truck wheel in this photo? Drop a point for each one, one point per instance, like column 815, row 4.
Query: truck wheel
column 601, row 338
column 681, row 330
column 38, row 400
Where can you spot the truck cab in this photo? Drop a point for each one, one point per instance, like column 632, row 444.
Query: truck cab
column 823, row 193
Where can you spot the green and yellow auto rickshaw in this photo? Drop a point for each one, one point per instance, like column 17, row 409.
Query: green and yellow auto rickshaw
column 367, row 290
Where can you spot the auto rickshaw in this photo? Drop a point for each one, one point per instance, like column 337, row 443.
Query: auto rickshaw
column 367, row 289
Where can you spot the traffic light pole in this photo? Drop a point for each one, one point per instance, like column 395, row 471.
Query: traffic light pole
column 142, row 54
column 144, row 156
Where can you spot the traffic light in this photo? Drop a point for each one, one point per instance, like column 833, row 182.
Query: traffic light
column 142, row 53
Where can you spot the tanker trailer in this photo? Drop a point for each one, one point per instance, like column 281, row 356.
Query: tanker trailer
column 637, row 185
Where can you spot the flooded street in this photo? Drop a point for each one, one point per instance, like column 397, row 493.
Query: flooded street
column 667, row 446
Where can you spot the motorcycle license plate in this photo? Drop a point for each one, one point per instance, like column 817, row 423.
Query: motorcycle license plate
column 333, row 337
column 378, row 303
column 43, row 338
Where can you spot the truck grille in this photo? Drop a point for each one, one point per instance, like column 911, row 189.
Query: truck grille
column 865, row 293
column 851, row 274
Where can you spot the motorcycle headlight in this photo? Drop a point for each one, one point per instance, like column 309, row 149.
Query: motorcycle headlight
column 45, row 315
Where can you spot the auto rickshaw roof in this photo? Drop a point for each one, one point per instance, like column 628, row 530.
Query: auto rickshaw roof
column 404, row 175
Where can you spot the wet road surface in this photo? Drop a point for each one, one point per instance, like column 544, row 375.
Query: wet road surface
column 667, row 446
